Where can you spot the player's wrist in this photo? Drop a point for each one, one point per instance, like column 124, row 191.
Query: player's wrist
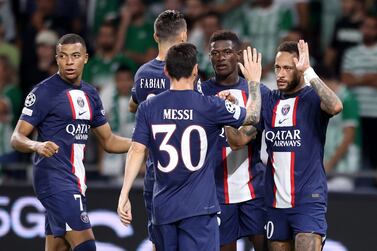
column 34, row 146
column 309, row 75
column 253, row 82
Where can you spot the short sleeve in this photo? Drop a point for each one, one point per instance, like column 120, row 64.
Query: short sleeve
column 99, row 117
column 142, row 130
column 137, row 92
column 265, row 96
column 227, row 113
column 133, row 95
column 36, row 106
column 198, row 87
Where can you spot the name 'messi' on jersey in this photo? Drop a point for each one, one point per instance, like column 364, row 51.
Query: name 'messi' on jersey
column 281, row 138
column 159, row 83
column 178, row 114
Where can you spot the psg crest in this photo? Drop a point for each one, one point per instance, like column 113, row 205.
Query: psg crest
column 285, row 109
column 80, row 102
column 84, row 217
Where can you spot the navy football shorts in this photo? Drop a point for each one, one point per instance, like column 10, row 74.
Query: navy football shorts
column 284, row 223
column 241, row 220
column 148, row 207
column 199, row 233
column 65, row 211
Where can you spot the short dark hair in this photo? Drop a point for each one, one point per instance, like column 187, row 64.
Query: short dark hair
column 71, row 38
column 226, row 35
column 169, row 24
column 288, row 46
column 180, row 60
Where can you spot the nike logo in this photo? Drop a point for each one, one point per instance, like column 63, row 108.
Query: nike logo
column 81, row 113
column 282, row 120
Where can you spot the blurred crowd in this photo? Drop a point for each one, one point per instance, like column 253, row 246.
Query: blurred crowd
column 342, row 36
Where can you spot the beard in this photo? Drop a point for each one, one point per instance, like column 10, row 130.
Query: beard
column 293, row 84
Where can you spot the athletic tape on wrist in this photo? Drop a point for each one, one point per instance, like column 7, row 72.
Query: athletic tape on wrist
column 309, row 74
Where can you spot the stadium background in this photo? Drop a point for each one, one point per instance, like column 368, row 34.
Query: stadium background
column 28, row 32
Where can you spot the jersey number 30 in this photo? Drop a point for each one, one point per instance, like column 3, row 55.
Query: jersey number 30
column 169, row 130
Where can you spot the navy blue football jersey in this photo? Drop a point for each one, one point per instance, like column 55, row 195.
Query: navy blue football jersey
column 149, row 79
column 181, row 130
column 295, row 129
column 63, row 114
column 239, row 174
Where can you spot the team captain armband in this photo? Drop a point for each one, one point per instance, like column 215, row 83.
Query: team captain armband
column 309, row 74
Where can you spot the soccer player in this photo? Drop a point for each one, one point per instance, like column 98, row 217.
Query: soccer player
column 63, row 109
column 295, row 118
column 181, row 127
column 170, row 29
column 239, row 174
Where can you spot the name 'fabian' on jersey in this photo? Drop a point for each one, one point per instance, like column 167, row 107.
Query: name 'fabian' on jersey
column 178, row 114
column 159, row 83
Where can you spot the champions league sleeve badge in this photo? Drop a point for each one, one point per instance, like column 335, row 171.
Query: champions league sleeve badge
column 230, row 107
column 30, row 99
column 234, row 109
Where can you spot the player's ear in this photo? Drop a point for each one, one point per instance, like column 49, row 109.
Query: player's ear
column 195, row 70
column 183, row 36
column 166, row 72
column 156, row 37
column 86, row 58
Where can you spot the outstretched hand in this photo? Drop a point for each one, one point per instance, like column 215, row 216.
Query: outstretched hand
column 302, row 63
column 252, row 67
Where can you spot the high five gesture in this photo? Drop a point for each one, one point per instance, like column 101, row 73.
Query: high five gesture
column 302, row 63
column 252, row 70
column 330, row 103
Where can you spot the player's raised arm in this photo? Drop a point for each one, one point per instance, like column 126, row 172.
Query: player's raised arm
column 110, row 142
column 135, row 160
column 22, row 143
column 330, row 102
column 252, row 70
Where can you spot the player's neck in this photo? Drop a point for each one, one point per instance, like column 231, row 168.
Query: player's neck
column 182, row 84
column 161, row 57
column 76, row 82
column 163, row 50
column 230, row 79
